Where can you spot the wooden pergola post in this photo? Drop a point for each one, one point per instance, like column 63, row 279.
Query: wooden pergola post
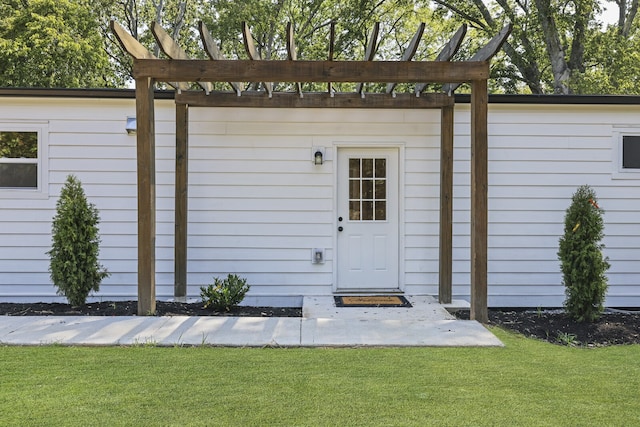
column 479, row 200
column 181, row 202
column 146, row 154
column 446, row 206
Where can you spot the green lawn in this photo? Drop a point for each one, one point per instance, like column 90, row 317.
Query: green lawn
column 527, row 383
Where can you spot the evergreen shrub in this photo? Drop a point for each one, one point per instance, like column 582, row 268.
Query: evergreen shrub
column 74, row 267
column 225, row 294
column 580, row 253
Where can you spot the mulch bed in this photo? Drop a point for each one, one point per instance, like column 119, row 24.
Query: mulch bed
column 613, row 328
column 130, row 308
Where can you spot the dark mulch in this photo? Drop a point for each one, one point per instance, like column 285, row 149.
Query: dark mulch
column 555, row 326
column 130, row 308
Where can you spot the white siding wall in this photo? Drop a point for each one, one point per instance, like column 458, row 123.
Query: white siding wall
column 538, row 157
column 257, row 205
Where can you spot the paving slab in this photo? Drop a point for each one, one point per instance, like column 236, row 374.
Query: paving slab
column 426, row 323
column 424, row 308
column 232, row 331
column 394, row 332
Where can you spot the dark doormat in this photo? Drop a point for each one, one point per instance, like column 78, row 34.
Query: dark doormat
column 372, row 301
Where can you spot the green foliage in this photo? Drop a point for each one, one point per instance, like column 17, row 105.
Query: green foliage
column 225, row 294
column 50, row 43
column 580, row 253
column 612, row 66
column 74, row 266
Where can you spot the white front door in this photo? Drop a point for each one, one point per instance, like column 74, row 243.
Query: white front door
column 367, row 203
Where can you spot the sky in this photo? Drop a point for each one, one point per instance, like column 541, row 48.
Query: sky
column 610, row 15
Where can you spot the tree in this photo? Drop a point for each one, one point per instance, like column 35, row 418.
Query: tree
column 74, row 267
column 581, row 260
column 557, row 46
column 50, row 43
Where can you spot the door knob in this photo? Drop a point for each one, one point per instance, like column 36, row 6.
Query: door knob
column 340, row 228
column 340, row 218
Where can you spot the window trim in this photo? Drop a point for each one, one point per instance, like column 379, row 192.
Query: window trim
column 618, row 172
column 42, row 162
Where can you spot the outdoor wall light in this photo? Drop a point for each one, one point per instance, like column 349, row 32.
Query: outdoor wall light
column 131, row 126
column 317, row 155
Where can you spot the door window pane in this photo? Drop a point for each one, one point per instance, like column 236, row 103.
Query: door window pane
column 354, row 211
column 381, row 189
column 354, row 189
column 381, row 168
column 367, row 168
column 367, row 210
column 354, row 168
column 367, row 189
column 381, row 211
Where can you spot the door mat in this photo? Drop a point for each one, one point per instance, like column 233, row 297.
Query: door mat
column 372, row 301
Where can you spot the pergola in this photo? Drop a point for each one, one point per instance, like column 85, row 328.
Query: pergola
column 179, row 70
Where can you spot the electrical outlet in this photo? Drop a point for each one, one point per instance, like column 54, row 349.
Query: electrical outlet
column 317, row 256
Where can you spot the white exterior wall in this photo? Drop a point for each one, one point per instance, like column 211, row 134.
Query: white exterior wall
column 257, row 204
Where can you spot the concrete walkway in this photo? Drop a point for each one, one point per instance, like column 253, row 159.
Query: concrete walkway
column 427, row 323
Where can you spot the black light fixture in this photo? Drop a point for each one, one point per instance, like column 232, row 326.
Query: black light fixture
column 317, row 158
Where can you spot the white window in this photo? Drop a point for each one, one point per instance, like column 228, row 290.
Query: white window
column 23, row 152
column 626, row 152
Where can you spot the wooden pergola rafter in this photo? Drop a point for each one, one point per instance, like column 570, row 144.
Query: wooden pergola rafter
column 179, row 70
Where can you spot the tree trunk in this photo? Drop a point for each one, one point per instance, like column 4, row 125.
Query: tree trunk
column 556, row 53
column 627, row 18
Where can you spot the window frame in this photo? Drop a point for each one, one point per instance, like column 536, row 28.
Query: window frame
column 41, row 191
column 618, row 171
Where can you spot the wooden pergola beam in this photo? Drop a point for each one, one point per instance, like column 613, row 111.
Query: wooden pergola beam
column 313, row 100
column 409, row 52
column 213, row 52
column 370, row 52
column 136, row 50
column 292, row 55
column 485, row 53
column 311, row 71
column 254, row 55
column 332, row 41
column 447, row 52
column 172, row 49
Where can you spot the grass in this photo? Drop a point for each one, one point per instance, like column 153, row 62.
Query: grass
column 526, row 383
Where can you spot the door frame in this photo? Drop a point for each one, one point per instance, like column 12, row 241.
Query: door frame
column 363, row 144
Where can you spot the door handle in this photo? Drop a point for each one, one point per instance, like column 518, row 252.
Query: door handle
column 340, row 228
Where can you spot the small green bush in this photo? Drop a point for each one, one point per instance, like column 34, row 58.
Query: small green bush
column 74, row 265
column 581, row 260
column 225, row 294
